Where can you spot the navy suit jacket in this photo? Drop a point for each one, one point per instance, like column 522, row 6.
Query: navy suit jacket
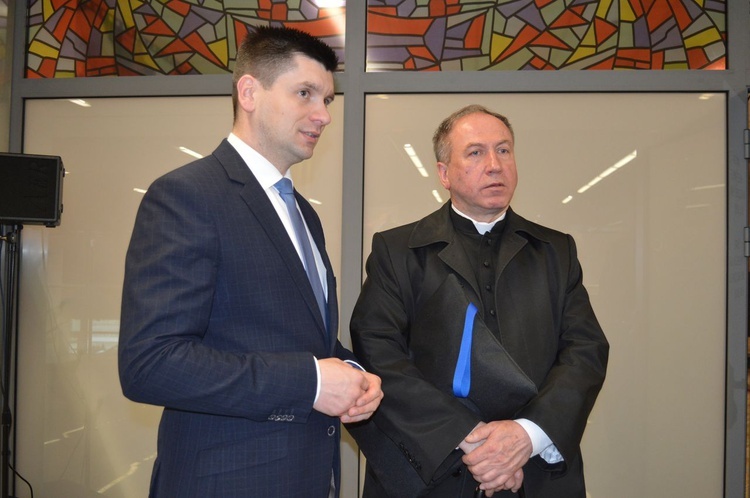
column 220, row 325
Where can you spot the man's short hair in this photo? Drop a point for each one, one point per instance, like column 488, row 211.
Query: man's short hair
column 268, row 51
column 440, row 143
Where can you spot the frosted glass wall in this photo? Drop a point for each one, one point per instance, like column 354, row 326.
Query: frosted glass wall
column 651, row 239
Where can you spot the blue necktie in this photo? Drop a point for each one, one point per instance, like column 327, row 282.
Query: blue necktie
column 284, row 186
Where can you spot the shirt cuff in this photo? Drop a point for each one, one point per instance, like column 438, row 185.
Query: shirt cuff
column 317, row 372
column 354, row 364
column 541, row 444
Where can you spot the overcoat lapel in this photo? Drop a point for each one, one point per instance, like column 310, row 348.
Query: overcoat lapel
column 437, row 227
column 510, row 244
column 455, row 257
column 259, row 205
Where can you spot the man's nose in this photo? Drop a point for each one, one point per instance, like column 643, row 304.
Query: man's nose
column 495, row 162
column 321, row 115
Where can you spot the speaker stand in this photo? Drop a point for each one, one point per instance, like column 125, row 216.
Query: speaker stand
column 11, row 237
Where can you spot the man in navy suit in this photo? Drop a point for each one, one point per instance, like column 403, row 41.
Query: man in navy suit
column 220, row 322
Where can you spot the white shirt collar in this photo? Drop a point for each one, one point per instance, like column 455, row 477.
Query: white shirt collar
column 265, row 172
column 481, row 226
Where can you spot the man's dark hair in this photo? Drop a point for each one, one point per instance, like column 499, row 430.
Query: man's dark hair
column 268, row 51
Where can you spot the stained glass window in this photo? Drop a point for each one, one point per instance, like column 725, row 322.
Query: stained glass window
column 466, row 35
column 122, row 38
column 110, row 37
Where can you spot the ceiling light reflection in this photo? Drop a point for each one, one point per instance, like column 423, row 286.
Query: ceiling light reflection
column 619, row 164
column 190, row 152
column 79, row 102
column 415, row 159
column 437, row 196
column 335, row 14
column 707, row 187
column 601, row 176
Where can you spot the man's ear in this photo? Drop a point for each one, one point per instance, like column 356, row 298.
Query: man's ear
column 246, row 88
column 442, row 170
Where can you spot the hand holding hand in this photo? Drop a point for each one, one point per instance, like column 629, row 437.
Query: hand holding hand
column 504, row 448
column 366, row 405
column 346, row 391
column 513, row 484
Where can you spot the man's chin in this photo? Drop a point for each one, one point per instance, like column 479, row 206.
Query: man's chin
column 306, row 152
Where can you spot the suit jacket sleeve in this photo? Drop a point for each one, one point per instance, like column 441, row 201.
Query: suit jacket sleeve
column 425, row 423
column 166, row 356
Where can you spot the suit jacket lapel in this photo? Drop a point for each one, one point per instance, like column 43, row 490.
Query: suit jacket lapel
column 316, row 230
column 259, row 205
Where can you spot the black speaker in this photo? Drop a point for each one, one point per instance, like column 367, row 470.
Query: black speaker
column 31, row 189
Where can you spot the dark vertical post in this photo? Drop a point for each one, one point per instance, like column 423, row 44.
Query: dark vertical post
column 11, row 236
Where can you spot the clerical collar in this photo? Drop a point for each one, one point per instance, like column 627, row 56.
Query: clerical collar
column 481, row 226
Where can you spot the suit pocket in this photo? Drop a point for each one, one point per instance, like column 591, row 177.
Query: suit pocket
column 235, row 455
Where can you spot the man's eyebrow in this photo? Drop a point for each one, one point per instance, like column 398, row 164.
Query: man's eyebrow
column 474, row 144
column 317, row 88
column 484, row 144
column 501, row 142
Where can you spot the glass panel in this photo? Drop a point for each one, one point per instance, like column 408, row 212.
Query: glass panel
column 651, row 237
column 150, row 37
column 471, row 35
column 77, row 435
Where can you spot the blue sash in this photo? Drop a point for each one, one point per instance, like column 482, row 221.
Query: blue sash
column 462, row 375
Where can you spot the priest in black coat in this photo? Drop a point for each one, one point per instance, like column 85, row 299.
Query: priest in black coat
column 478, row 323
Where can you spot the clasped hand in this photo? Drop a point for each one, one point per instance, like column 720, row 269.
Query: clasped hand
column 495, row 455
column 347, row 392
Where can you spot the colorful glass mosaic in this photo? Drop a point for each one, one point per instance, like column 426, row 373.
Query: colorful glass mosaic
column 5, row 44
column 467, row 35
column 76, row 38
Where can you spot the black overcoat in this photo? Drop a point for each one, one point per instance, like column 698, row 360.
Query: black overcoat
column 546, row 325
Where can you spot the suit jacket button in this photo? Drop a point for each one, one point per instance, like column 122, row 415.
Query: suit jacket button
column 331, row 430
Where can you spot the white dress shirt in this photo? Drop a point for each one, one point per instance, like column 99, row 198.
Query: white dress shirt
column 267, row 175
